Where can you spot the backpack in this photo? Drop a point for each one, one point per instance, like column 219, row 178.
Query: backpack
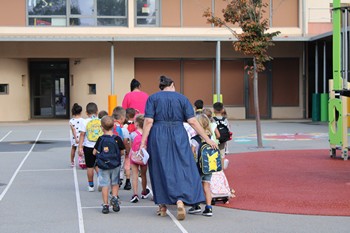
column 225, row 134
column 117, row 131
column 108, row 156
column 135, row 154
column 131, row 126
column 208, row 159
column 93, row 129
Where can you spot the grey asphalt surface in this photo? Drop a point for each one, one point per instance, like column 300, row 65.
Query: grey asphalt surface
column 40, row 192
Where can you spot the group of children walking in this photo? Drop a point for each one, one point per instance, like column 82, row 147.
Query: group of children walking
column 106, row 141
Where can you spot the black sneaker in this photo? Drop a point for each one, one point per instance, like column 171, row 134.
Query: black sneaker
column 105, row 209
column 115, row 204
column 144, row 195
column 134, row 199
column 120, row 182
column 195, row 209
column 208, row 211
column 127, row 185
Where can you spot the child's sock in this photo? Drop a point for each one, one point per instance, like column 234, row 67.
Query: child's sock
column 91, row 183
column 208, row 207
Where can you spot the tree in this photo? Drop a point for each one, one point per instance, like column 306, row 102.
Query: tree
column 253, row 41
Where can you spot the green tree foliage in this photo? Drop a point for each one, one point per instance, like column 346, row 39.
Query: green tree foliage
column 254, row 39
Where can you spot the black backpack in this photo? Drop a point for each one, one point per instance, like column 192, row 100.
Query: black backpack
column 225, row 134
column 109, row 153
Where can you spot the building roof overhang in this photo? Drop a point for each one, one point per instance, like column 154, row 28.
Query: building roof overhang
column 30, row 34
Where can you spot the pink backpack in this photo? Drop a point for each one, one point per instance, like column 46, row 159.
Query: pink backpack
column 135, row 154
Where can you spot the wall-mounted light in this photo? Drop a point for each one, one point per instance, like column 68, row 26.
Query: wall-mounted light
column 23, row 79
column 72, row 80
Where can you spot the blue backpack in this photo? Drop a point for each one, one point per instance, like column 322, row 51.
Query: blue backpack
column 208, row 159
column 108, row 156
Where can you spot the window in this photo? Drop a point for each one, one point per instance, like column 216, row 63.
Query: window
column 77, row 12
column 4, row 89
column 147, row 12
column 92, row 89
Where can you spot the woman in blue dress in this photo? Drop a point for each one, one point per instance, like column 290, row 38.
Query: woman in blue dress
column 174, row 175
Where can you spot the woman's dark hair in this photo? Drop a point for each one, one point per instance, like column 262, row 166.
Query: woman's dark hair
column 164, row 82
column 76, row 109
column 134, row 84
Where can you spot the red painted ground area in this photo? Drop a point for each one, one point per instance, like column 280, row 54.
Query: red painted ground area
column 295, row 182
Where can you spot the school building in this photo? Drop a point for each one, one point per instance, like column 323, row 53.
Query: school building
column 54, row 53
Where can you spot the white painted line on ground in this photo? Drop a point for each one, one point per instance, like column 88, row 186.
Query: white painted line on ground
column 178, row 224
column 18, row 168
column 12, row 152
column 121, row 206
column 77, row 195
column 47, row 170
column 5, row 136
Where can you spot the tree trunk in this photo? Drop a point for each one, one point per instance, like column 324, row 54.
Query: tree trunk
column 256, row 105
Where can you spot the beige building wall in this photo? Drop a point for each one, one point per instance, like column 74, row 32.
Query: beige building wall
column 90, row 64
column 15, row 105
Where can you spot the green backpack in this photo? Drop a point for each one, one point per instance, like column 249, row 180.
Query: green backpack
column 93, row 130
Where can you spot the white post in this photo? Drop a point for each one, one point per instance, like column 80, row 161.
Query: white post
column 218, row 67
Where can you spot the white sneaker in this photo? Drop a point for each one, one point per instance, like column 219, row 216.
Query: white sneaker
column 91, row 189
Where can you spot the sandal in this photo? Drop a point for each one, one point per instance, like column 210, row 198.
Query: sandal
column 162, row 210
column 181, row 212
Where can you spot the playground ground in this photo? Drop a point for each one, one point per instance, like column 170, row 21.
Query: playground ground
column 40, row 192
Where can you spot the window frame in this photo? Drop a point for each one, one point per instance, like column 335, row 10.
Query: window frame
column 156, row 17
column 6, row 89
column 68, row 16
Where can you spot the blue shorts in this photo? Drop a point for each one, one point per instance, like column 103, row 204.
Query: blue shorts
column 109, row 177
column 206, row 178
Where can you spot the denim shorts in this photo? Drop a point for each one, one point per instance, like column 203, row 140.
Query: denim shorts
column 206, row 177
column 109, row 177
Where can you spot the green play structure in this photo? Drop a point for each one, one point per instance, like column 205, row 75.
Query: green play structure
column 339, row 86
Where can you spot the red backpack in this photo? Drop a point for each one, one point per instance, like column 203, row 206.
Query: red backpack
column 131, row 126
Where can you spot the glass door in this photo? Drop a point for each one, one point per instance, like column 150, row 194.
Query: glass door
column 49, row 89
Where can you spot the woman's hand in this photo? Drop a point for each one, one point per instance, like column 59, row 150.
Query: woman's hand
column 212, row 144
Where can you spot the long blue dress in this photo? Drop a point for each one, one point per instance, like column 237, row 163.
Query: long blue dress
column 173, row 171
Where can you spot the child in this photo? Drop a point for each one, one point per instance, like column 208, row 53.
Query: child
column 198, row 106
column 130, row 116
column 102, row 113
column 74, row 124
column 90, row 131
column 223, row 123
column 204, row 121
column 213, row 126
column 112, row 144
column 119, row 114
column 136, row 137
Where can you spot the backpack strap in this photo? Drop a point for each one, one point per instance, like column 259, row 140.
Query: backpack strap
column 99, row 148
column 198, row 139
column 137, row 132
